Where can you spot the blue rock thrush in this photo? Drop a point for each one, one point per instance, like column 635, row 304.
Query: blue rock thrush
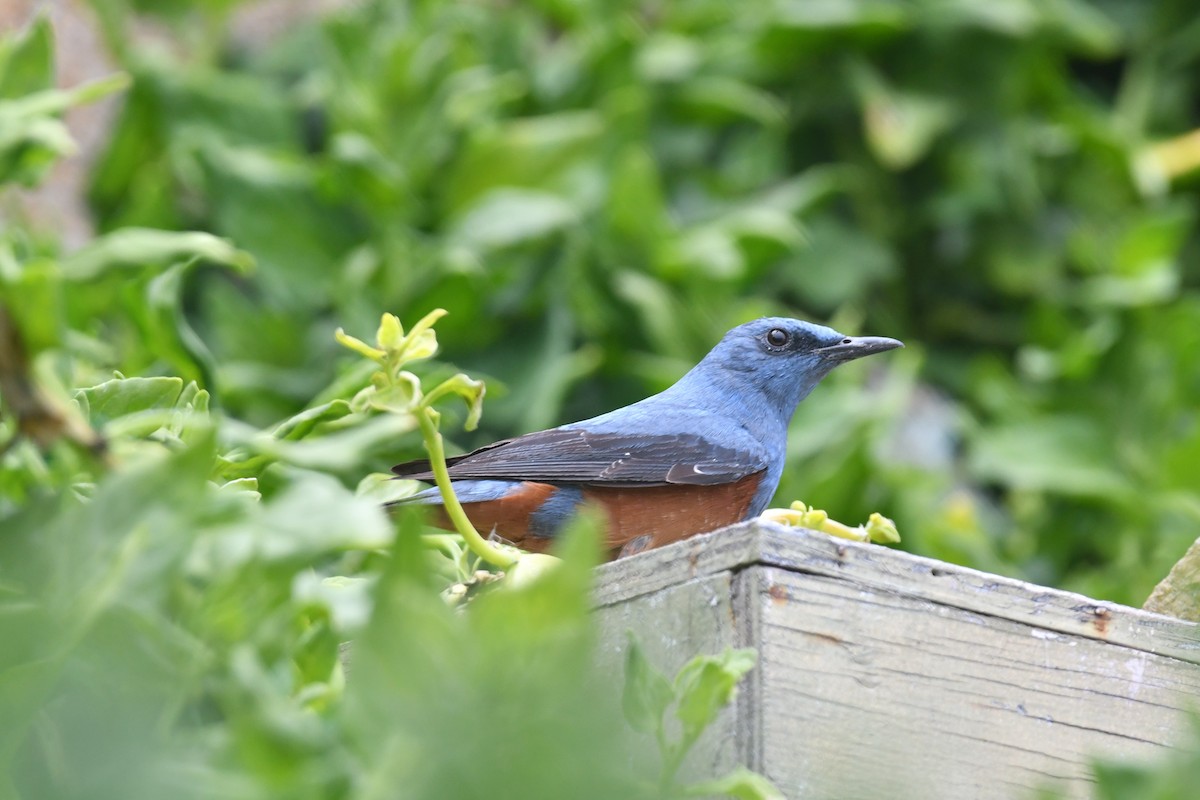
column 706, row 452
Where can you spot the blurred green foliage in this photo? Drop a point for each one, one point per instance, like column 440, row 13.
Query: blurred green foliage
column 596, row 191
column 177, row 582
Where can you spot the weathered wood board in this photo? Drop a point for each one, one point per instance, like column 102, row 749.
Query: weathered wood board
column 882, row 674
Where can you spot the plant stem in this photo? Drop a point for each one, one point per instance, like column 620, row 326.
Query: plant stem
column 672, row 759
column 454, row 510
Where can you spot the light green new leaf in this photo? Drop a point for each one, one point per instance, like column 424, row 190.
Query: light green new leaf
column 358, row 345
column 706, row 684
column 400, row 395
column 466, row 387
column 420, row 343
column 741, row 783
column 647, row 691
column 390, row 334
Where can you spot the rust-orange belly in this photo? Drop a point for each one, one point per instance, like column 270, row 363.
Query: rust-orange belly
column 638, row 518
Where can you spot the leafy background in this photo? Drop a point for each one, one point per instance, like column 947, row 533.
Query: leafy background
column 596, row 191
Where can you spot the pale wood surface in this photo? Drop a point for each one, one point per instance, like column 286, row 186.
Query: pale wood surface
column 668, row 624
column 887, row 675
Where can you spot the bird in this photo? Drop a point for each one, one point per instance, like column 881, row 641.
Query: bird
column 704, row 453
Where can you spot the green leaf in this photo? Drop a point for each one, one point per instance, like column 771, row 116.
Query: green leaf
column 28, row 147
column 421, row 341
column 384, row 487
column 706, row 684
column 741, row 783
column 723, row 99
column 647, row 691
column 32, row 293
column 864, row 15
column 669, row 58
column 421, row 674
column 507, row 217
column 27, row 61
column 466, row 387
column 399, row 395
column 1063, row 455
column 313, row 516
column 390, row 335
column 531, row 153
column 339, row 452
column 145, row 247
column 358, row 345
column 122, row 396
column 167, row 327
column 31, row 135
column 636, row 207
column 300, row 425
column 900, row 126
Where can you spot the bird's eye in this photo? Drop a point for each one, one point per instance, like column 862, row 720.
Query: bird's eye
column 778, row 337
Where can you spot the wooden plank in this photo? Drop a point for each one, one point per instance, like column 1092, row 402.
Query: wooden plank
column 741, row 546
column 673, row 625
column 972, row 590
column 728, row 549
column 887, row 674
column 869, row 693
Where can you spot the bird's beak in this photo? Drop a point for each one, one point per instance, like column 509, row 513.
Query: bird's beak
column 853, row 347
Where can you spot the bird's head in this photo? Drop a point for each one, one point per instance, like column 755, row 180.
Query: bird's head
column 782, row 359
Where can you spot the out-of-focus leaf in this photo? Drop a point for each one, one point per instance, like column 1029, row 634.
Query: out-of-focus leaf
column 647, row 694
column 526, row 153
column 168, row 328
column 1169, row 779
column 122, row 396
column 510, row 216
column 741, row 783
column 337, row 452
column 1061, row 454
column 900, row 126
column 526, row 655
column 667, row 58
column 862, row 15
column 1146, row 288
column 312, row 516
column 302, row 424
column 384, row 487
column 27, row 61
column 1085, row 24
column 726, row 100
column 145, row 247
column 31, row 135
column 348, row 600
column 706, row 685
column 636, row 206
column 836, row 264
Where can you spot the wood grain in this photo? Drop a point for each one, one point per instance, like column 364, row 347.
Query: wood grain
column 883, row 674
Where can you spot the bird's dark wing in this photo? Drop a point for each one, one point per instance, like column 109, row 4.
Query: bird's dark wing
column 574, row 455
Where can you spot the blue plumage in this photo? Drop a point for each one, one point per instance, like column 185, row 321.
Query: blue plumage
column 723, row 421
